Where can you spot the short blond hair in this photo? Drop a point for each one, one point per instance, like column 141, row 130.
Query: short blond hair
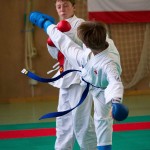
column 73, row 2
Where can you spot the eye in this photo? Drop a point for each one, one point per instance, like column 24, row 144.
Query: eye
column 58, row 7
column 65, row 5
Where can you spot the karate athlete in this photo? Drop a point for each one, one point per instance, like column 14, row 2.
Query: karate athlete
column 100, row 67
column 77, row 124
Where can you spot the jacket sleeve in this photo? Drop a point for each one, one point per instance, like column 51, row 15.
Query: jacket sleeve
column 53, row 51
column 73, row 32
column 115, row 87
column 73, row 52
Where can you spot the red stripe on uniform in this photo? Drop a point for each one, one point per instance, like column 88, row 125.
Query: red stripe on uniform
column 120, row 17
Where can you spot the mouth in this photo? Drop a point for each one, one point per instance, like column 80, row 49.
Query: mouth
column 63, row 13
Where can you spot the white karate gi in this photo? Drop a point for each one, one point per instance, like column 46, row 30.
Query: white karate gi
column 102, row 70
column 78, row 123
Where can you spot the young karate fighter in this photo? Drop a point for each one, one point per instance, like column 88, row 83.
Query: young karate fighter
column 77, row 124
column 100, row 67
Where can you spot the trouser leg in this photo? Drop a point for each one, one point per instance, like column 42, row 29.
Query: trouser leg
column 64, row 125
column 103, row 122
column 83, row 123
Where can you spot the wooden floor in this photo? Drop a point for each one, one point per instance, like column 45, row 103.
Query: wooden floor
column 29, row 111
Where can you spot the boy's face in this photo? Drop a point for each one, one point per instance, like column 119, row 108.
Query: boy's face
column 65, row 9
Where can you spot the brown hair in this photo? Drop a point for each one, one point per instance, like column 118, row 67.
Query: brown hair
column 73, row 2
column 93, row 34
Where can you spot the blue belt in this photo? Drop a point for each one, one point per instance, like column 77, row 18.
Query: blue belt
column 45, row 80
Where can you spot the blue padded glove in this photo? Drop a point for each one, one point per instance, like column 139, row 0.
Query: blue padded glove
column 119, row 111
column 41, row 20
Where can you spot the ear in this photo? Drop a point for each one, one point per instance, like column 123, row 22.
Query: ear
column 74, row 7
